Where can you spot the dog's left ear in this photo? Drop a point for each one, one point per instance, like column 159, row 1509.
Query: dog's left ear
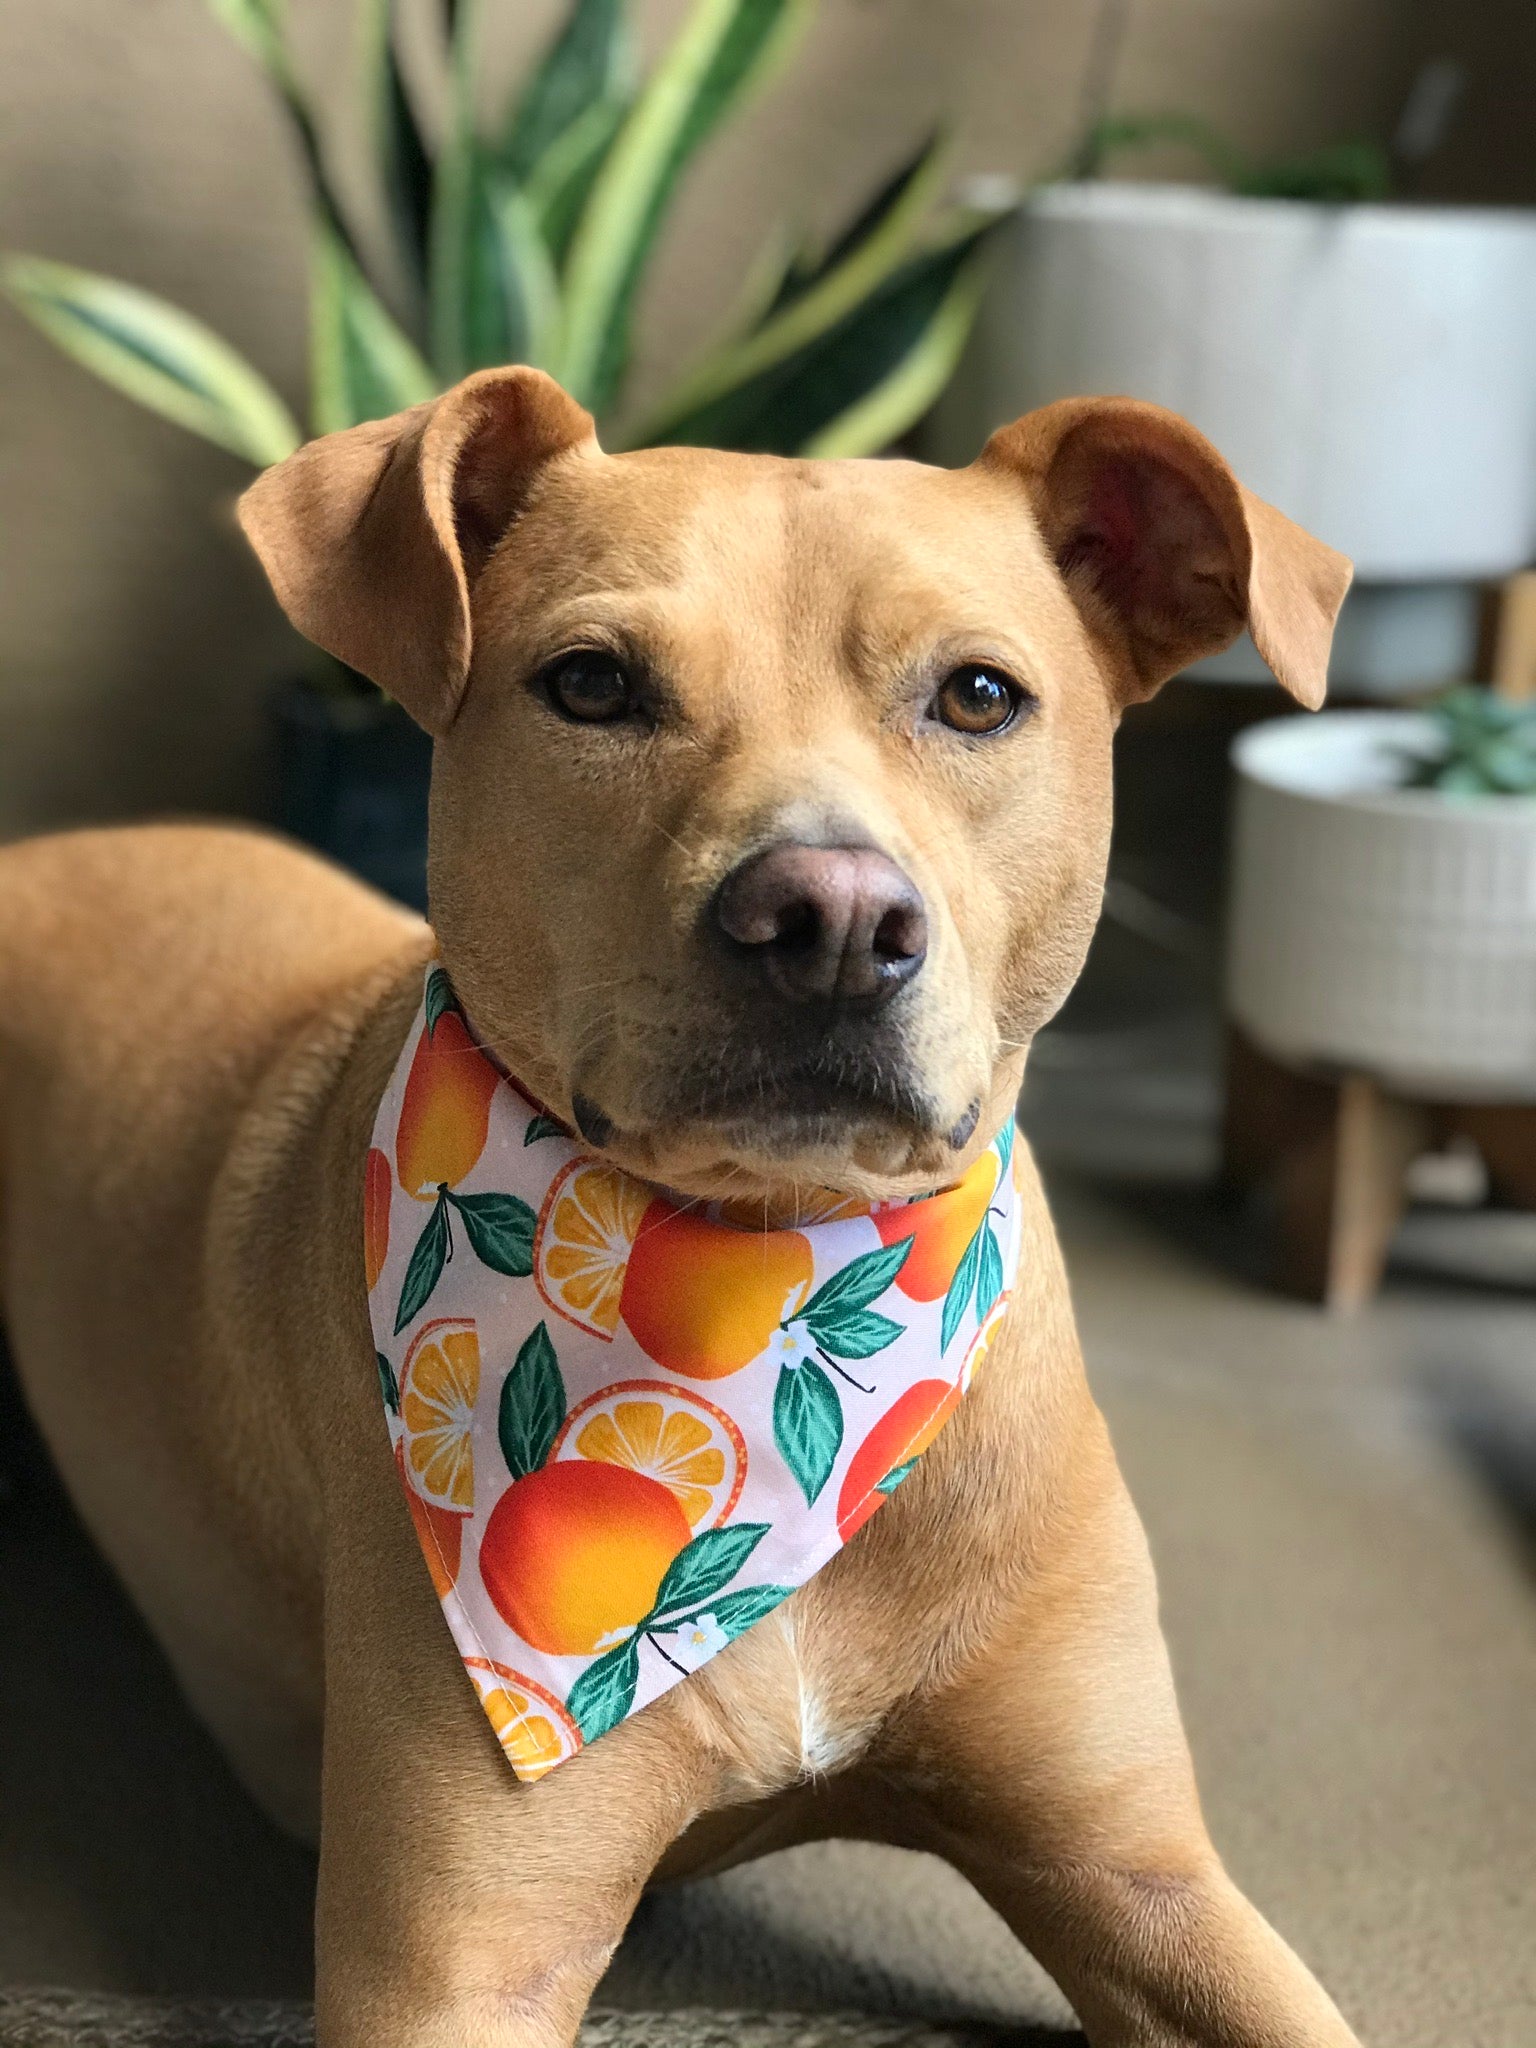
column 373, row 537
column 1165, row 554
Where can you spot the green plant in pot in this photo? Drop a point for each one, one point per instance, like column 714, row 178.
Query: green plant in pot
column 527, row 238
column 1481, row 745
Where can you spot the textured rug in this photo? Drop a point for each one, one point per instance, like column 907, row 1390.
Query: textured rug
column 66, row 2019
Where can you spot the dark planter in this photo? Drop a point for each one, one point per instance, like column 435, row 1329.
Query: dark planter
column 352, row 782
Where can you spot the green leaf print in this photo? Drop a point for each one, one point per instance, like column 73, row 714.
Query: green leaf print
column 440, row 997
column 1005, row 1139
column 389, row 1386
column 500, row 1231
column 961, row 1289
column 989, row 1280
column 542, row 1127
column 706, row 1565
column 862, row 1281
column 605, row 1691
column 895, row 1476
column 426, row 1265
column 807, row 1425
column 854, row 1333
column 532, row 1406
column 734, row 1612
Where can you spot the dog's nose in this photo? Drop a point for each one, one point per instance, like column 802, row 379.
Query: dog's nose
column 825, row 923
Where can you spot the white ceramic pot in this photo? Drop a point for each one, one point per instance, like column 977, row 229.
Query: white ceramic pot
column 1369, row 369
column 1380, row 928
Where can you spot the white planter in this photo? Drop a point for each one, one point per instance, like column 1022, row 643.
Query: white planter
column 1369, row 369
column 1380, row 928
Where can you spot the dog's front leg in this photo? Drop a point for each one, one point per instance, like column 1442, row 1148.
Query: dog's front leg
column 457, row 1907
column 1056, row 1775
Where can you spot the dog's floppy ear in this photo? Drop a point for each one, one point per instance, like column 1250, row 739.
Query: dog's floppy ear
column 372, row 537
column 1165, row 554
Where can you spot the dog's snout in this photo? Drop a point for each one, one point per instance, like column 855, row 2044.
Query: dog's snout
column 825, row 923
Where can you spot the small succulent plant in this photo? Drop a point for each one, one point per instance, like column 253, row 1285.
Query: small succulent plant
column 1484, row 745
column 525, row 238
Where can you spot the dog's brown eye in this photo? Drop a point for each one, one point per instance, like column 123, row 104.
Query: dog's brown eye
column 591, row 687
column 977, row 700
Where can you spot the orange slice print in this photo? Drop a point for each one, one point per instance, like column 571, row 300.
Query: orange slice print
column 982, row 1342
column 581, row 1248
column 438, row 1390
column 686, row 1442
column 531, row 1725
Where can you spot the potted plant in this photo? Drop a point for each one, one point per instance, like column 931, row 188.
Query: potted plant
column 1364, row 363
column 527, row 240
column 1383, row 900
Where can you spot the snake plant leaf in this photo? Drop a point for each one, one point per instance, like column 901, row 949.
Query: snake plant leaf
column 854, row 388
column 588, row 65
column 904, row 195
column 559, row 185
column 492, row 291
column 403, row 158
column 260, row 26
column 897, row 401
column 362, row 365
column 723, row 48
column 818, row 304
column 155, row 354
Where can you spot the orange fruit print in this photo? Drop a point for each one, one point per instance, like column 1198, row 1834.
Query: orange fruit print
column 940, row 1228
column 376, row 1192
column 575, row 1553
column 532, row 1727
column 439, row 1532
column 668, row 1434
column 446, row 1110
column 903, row 1433
column 702, row 1298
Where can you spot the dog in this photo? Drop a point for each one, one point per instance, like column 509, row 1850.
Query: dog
column 769, row 821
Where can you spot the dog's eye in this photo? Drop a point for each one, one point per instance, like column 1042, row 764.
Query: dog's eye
column 978, row 700
column 590, row 686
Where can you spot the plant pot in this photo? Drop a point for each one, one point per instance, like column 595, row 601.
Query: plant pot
column 1369, row 369
column 1377, row 928
column 353, row 775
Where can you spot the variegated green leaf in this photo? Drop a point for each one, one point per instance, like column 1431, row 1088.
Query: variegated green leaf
column 362, row 364
column 493, row 289
column 723, row 47
column 588, row 63
column 853, row 389
column 155, row 354
column 560, row 183
column 400, row 149
column 912, row 385
column 817, row 304
column 261, row 26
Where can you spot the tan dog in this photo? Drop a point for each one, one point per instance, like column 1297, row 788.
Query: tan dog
column 769, row 823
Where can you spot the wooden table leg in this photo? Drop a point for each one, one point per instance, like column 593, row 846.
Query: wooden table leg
column 1335, row 1153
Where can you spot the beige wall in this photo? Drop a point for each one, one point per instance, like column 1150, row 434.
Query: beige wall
column 135, row 639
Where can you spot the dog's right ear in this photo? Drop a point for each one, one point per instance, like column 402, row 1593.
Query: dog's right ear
column 372, row 538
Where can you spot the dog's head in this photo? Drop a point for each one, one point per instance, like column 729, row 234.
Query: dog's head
column 771, row 799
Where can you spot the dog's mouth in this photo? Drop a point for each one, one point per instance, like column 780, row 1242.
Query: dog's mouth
column 790, row 1112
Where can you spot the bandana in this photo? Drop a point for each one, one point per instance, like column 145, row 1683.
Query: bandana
column 629, row 1425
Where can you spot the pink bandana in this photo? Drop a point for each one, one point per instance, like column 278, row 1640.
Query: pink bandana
column 627, row 1426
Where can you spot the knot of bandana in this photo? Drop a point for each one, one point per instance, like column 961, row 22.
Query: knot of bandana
column 628, row 1426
